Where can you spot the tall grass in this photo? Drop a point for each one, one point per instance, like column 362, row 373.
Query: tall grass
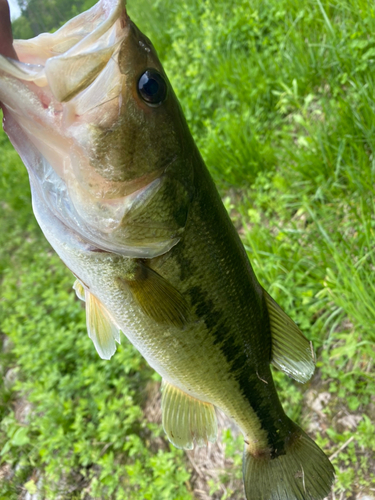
column 279, row 95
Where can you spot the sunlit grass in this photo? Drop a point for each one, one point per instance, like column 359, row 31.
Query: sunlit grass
column 280, row 98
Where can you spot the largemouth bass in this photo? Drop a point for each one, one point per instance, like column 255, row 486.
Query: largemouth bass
column 123, row 196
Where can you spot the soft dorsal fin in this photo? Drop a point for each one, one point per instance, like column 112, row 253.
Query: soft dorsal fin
column 160, row 300
column 186, row 419
column 291, row 351
column 101, row 327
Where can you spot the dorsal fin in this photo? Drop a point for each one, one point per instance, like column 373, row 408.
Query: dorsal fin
column 291, row 351
column 186, row 419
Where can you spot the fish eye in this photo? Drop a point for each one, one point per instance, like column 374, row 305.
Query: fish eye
column 152, row 87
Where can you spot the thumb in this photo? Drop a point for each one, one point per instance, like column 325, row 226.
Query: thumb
column 6, row 38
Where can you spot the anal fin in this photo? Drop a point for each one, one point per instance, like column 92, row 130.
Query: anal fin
column 186, row 419
column 291, row 351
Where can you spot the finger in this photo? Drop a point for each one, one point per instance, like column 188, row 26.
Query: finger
column 6, row 38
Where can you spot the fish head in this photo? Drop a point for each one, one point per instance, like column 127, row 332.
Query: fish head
column 94, row 118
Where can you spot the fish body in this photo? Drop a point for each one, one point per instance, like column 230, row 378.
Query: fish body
column 124, row 197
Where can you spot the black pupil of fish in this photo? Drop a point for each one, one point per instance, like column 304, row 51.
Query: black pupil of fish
column 152, row 87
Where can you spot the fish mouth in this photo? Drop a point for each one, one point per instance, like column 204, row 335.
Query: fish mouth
column 58, row 88
column 77, row 51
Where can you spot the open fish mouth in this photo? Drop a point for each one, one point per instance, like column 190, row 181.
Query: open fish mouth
column 70, row 59
column 64, row 83
column 60, row 99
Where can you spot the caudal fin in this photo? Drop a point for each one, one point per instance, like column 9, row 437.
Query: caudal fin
column 302, row 473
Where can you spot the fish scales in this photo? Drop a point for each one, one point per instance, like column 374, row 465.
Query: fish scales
column 123, row 196
column 209, row 382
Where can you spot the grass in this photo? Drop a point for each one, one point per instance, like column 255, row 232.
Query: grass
column 280, row 98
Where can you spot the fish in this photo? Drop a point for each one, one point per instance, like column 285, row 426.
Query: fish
column 123, row 195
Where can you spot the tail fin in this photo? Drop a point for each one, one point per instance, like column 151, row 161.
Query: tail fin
column 302, row 473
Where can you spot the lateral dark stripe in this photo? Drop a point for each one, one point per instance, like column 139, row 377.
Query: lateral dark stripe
column 261, row 396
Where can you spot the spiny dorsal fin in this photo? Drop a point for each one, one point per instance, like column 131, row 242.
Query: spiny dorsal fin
column 291, row 351
column 157, row 297
column 101, row 327
column 186, row 419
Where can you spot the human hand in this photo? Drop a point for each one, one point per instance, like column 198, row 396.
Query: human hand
column 6, row 38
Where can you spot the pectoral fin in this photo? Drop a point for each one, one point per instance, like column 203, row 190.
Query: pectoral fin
column 158, row 214
column 187, row 419
column 291, row 351
column 160, row 300
column 101, row 327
